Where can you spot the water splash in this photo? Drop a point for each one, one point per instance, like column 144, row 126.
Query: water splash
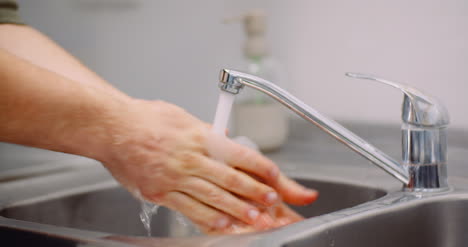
column 181, row 219
column 187, row 224
column 223, row 111
column 148, row 209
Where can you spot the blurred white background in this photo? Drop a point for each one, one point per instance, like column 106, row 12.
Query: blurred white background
column 173, row 49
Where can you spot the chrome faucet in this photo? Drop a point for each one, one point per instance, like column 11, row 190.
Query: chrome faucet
column 424, row 136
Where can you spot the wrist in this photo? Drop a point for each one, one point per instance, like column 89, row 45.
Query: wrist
column 96, row 126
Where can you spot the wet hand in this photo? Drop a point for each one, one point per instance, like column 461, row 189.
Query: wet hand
column 270, row 217
column 167, row 156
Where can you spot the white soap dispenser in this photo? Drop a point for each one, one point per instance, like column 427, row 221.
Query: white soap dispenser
column 256, row 115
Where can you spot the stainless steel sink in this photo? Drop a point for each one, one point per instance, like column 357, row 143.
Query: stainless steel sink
column 430, row 225
column 403, row 220
column 87, row 206
column 114, row 210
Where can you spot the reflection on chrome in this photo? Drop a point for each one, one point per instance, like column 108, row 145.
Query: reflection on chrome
column 423, row 130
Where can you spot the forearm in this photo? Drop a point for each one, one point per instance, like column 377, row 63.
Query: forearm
column 31, row 45
column 43, row 109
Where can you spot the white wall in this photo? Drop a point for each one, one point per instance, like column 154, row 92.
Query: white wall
column 173, row 49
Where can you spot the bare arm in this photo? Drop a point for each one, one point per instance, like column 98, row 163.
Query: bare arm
column 43, row 109
column 31, row 45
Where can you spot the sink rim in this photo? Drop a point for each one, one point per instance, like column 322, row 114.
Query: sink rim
column 392, row 202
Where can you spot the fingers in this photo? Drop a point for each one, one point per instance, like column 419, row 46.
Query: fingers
column 243, row 158
column 220, row 199
column 273, row 217
column 285, row 215
column 277, row 216
column 294, row 193
column 207, row 218
column 252, row 162
column 211, row 220
column 234, row 181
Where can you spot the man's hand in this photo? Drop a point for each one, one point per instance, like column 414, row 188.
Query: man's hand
column 270, row 217
column 169, row 157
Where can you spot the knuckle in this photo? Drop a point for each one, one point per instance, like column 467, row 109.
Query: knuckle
column 239, row 154
column 258, row 190
column 152, row 170
column 246, row 157
column 197, row 143
column 215, row 197
column 188, row 161
column 189, row 185
column 251, row 156
column 198, row 137
column 188, row 157
column 231, row 180
column 265, row 165
column 268, row 170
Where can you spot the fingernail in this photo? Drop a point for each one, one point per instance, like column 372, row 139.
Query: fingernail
column 271, row 197
column 311, row 196
column 221, row 223
column 264, row 222
column 253, row 214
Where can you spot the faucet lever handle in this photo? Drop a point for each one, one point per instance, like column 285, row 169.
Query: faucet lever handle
column 418, row 108
column 424, row 136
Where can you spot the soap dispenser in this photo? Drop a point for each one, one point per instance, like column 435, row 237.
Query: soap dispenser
column 255, row 115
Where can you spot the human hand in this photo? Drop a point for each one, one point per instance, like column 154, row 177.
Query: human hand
column 154, row 149
column 171, row 158
column 270, row 218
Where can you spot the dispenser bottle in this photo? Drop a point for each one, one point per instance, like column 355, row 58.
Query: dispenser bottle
column 256, row 115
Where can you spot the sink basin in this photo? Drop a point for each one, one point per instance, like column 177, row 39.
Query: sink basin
column 114, row 210
column 432, row 223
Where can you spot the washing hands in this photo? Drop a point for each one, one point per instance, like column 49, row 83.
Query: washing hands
column 154, row 149
column 171, row 158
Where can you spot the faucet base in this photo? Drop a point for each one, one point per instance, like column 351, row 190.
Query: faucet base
column 427, row 177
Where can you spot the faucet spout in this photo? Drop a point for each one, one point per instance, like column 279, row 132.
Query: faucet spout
column 233, row 81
